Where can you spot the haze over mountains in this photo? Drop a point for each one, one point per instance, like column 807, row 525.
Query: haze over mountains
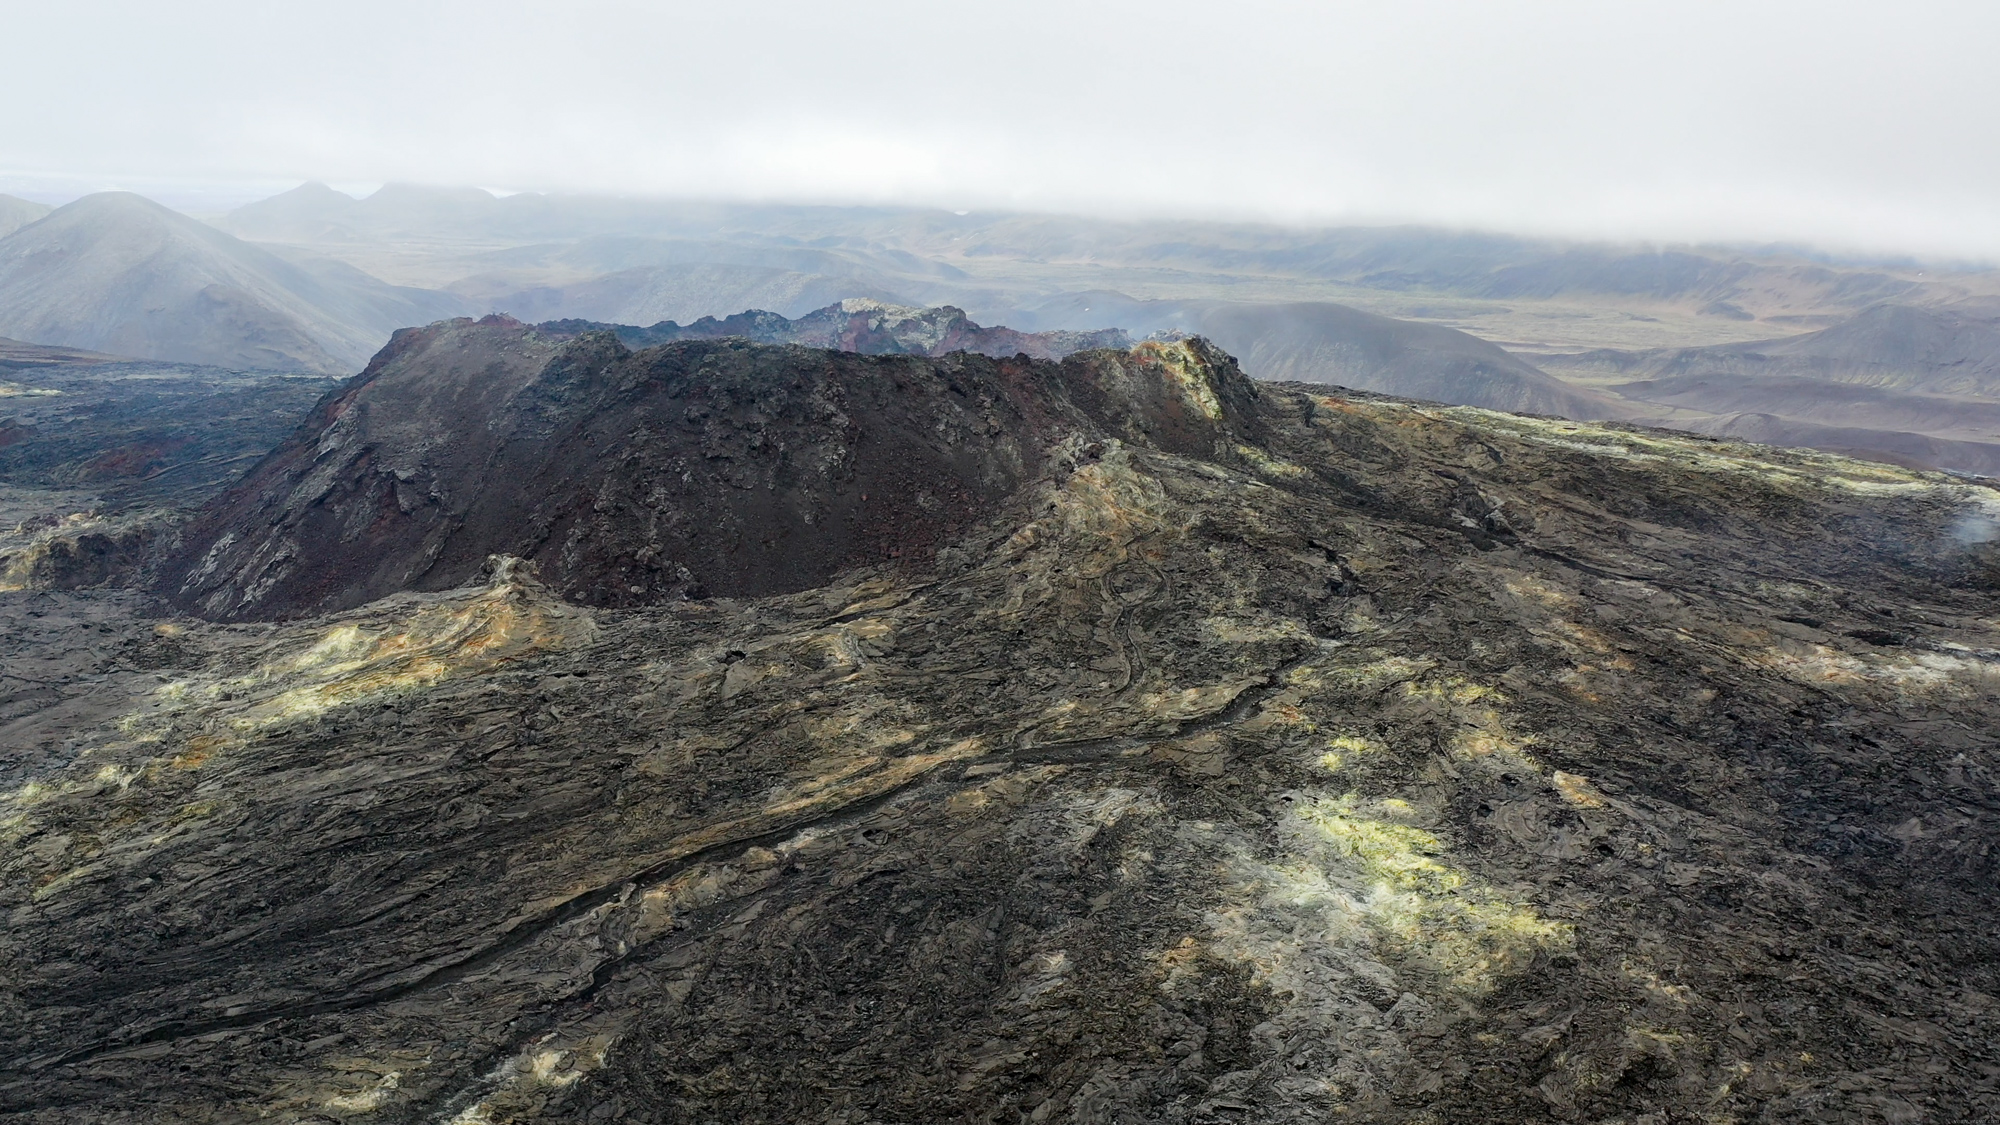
column 1003, row 268
column 900, row 691
column 1770, row 344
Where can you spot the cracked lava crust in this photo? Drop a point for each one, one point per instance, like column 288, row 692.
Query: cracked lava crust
column 720, row 732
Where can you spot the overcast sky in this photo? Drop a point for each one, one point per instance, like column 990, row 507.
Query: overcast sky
column 1854, row 125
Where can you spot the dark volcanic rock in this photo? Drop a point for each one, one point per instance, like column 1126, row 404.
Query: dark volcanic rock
column 698, row 467
column 1280, row 758
column 147, row 433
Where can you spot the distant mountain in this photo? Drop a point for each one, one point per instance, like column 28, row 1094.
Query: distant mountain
column 638, row 280
column 602, row 254
column 633, row 262
column 307, row 213
column 1317, row 342
column 1914, row 385
column 542, row 258
column 1951, row 349
column 872, row 327
column 315, row 212
column 115, row 272
column 1322, row 342
column 17, row 213
column 1001, row 265
column 1821, row 402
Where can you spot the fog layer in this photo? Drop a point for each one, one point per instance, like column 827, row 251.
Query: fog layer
column 1846, row 124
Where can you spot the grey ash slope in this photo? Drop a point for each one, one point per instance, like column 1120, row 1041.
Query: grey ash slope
column 117, row 273
column 1324, row 342
column 1317, row 342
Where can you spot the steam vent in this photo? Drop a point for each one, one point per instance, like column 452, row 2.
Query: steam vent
column 549, row 731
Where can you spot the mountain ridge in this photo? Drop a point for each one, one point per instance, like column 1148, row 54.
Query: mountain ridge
column 114, row 272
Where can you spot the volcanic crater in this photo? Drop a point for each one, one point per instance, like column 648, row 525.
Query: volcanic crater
column 692, row 468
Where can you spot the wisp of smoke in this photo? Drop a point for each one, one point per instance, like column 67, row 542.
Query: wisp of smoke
column 1980, row 525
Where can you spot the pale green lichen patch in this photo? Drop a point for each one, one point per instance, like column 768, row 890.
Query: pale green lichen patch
column 1268, row 465
column 1386, row 670
column 1345, row 750
column 1374, row 884
column 1432, row 911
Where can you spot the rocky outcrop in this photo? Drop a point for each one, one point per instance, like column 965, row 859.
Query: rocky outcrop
column 697, row 467
column 80, row 552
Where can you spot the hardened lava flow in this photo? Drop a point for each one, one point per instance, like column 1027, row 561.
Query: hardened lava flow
column 549, row 731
